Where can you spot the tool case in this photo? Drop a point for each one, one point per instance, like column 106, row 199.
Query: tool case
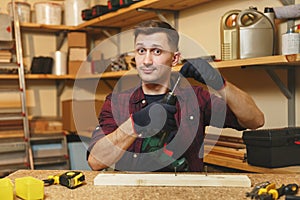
column 116, row 4
column 273, row 147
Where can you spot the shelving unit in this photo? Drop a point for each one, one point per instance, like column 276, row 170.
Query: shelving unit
column 14, row 135
column 50, row 151
column 268, row 61
column 123, row 17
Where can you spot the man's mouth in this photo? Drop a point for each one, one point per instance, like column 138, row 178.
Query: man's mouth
column 148, row 70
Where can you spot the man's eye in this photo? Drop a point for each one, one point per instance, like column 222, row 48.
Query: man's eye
column 157, row 51
column 141, row 51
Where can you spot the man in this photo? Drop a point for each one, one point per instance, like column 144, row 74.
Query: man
column 139, row 131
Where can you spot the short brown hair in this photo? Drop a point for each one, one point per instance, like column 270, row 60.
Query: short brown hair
column 155, row 26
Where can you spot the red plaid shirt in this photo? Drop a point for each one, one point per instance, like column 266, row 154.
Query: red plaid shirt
column 193, row 115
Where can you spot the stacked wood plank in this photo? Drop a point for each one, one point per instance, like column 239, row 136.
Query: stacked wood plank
column 228, row 149
column 5, row 56
column 11, row 129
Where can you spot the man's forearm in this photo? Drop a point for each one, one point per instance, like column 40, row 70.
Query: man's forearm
column 110, row 148
column 243, row 106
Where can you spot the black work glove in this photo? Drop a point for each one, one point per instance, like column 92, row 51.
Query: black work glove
column 155, row 118
column 203, row 72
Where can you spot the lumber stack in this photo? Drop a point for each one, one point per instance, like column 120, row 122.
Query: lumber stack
column 227, row 149
column 11, row 129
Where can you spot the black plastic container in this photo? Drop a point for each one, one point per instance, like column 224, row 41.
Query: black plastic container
column 273, row 147
column 86, row 14
column 99, row 10
column 116, row 4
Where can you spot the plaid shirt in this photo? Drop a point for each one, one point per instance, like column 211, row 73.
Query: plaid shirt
column 193, row 115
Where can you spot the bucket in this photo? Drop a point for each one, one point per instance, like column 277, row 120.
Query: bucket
column 23, row 10
column 48, row 13
column 72, row 14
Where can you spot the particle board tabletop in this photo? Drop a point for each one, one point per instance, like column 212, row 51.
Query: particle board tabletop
column 90, row 192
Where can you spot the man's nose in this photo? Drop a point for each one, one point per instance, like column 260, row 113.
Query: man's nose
column 148, row 58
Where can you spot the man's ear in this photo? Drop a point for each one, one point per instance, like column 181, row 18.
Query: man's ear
column 176, row 58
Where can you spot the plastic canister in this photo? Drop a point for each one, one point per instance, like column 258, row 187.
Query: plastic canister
column 229, row 35
column 290, row 43
column 48, row 13
column 72, row 11
column 23, row 10
column 6, row 189
column 60, row 63
column 256, row 34
column 29, row 188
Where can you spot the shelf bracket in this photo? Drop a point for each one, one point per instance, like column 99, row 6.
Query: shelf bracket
column 279, row 83
column 115, row 40
column 60, row 85
column 288, row 91
column 60, row 38
column 108, row 84
column 161, row 16
column 107, row 34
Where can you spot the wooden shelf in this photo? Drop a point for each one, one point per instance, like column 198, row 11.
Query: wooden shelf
column 46, row 28
column 267, row 60
column 35, row 76
column 290, row 60
column 123, row 17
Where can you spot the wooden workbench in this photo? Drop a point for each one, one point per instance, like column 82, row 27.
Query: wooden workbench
column 91, row 192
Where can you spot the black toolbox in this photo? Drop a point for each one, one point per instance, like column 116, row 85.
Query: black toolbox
column 273, row 147
column 116, row 4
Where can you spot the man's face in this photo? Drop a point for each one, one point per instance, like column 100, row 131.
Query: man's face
column 154, row 58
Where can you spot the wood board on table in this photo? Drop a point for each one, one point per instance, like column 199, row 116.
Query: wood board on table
column 169, row 179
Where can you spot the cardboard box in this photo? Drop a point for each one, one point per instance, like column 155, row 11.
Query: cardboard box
column 80, row 115
column 45, row 125
column 273, row 147
column 77, row 39
column 82, row 67
column 77, row 54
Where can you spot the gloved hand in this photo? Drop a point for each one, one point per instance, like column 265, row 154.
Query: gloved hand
column 154, row 118
column 203, row 72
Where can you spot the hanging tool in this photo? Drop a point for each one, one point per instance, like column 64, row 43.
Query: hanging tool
column 70, row 179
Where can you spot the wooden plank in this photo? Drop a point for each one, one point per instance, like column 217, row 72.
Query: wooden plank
column 177, row 4
column 125, row 17
column 225, row 144
column 227, row 152
column 37, row 76
column 168, row 179
column 11, row 134
column 267, row 60
column 225, row 138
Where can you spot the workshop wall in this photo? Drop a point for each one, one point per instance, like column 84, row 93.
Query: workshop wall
column 200, row 24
